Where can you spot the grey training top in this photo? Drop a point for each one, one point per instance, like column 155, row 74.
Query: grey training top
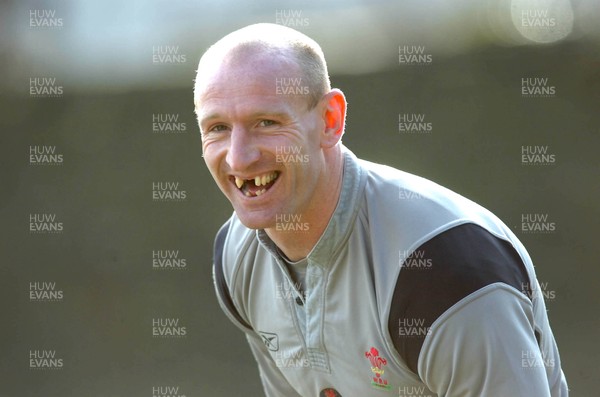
column 412, row 290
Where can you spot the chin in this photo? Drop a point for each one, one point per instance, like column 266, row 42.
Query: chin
column 255, row 220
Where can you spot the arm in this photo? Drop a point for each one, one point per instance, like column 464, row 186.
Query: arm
column 485, row 347
column 487, row 336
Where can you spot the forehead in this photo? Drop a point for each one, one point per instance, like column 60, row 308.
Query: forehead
column 254, row 81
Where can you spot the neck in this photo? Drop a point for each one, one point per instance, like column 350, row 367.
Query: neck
column 298, row 244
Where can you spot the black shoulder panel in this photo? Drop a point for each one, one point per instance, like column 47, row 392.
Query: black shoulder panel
column 440, row 273
column 220, row 284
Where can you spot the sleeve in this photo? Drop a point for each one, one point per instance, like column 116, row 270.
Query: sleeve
column 548, row 346
column 485, row 347
column 463, row 319
column 273, row 381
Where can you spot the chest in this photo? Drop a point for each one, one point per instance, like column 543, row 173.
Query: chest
column 330, row 335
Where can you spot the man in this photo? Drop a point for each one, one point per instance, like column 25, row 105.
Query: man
column 351, row 278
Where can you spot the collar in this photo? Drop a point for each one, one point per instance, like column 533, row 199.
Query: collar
column 340, row 225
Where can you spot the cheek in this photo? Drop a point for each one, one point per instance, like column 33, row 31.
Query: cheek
column 313, row 133
column 211, row 155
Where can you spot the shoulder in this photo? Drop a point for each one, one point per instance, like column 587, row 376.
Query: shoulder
column 443, row 271
column 423, row 204
column 231, row 244
column 231, row 241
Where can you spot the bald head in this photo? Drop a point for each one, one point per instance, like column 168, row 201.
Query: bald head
column 297, row 54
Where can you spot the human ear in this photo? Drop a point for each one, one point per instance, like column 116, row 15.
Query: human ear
column 334, row 117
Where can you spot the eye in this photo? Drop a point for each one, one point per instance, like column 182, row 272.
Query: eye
column 267, row 123
column 218, row 128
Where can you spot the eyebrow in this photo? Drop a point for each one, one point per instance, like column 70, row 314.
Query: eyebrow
column 255, row 115
column 277, row 114
column 210, row 117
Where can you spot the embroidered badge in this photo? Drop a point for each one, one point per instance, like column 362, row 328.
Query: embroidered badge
column 377, row 364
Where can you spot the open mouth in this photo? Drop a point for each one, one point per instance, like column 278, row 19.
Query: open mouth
column 257, row 185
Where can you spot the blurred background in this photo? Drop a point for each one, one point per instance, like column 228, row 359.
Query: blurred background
column 108, row 212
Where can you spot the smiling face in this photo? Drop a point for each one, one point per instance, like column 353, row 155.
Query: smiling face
column 261, row 140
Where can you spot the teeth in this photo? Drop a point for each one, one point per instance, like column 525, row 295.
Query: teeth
column 267, row 178
column 260, row 180
column 239, row 182
column 261, row 192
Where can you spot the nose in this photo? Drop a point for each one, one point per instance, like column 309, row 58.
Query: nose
column 242, row 151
